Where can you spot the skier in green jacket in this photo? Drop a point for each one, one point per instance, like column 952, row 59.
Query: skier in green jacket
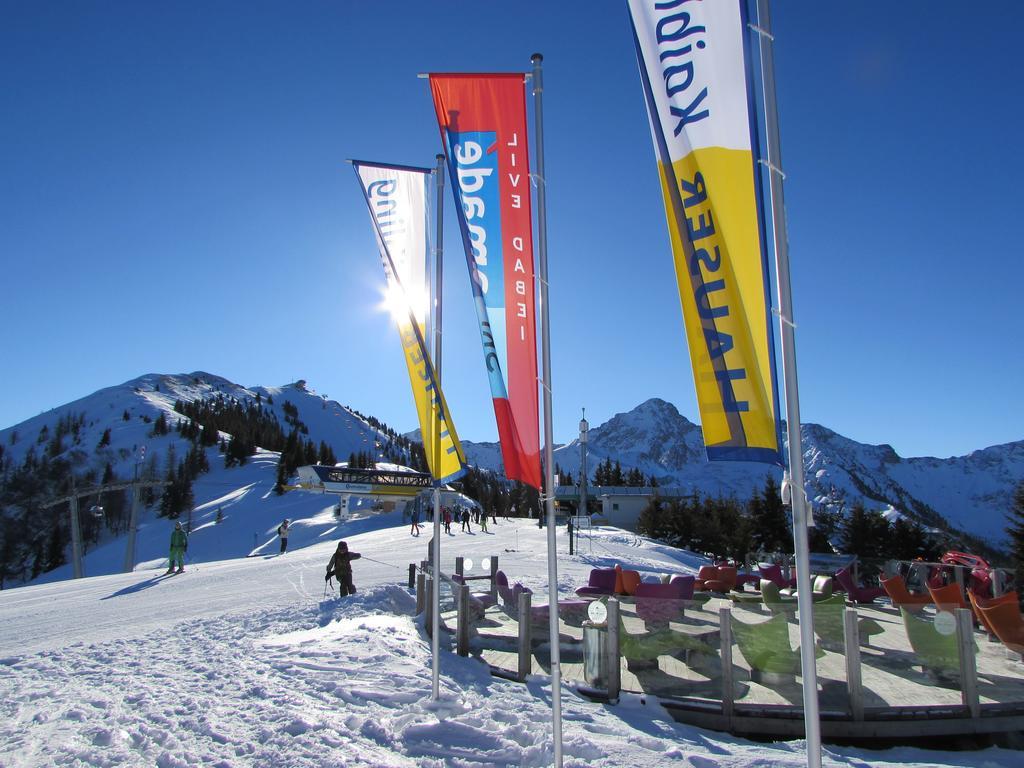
column 179, row 543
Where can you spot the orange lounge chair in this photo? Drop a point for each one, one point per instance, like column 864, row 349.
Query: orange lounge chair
column 948, row 596
column 1007, row 623
column 897, row 590
column 626, row 581
column 977, row 603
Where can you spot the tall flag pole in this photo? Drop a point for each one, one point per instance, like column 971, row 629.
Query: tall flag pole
column 437, row 295
column 697, row 74
column 801, row 507
column 549, row 477
column 482, row 119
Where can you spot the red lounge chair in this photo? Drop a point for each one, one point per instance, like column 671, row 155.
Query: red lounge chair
column 724, row 581
column 858, row 594
column 602, row 582
column 705, row 574
column 897, row 590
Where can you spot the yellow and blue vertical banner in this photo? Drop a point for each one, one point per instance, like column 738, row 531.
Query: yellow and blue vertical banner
column 397, row 199
column 695, row 68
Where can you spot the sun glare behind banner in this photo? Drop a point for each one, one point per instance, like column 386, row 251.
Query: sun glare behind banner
column 483, row 129
column 396, row 197
column 697, row 86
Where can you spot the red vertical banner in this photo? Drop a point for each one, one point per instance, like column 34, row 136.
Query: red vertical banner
column 483, row 128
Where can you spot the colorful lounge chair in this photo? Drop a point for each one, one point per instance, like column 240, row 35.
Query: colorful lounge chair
column 897, row 590
column 601, row 582
column 1007, row 623
column 855, row 592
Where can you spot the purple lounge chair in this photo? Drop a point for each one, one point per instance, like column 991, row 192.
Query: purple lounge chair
column 602, row 582
column 659, row 604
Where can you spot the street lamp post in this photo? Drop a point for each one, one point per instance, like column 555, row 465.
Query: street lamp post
column 584, row 431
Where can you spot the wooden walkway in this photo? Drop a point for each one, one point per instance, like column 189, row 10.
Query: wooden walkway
column 900, row 700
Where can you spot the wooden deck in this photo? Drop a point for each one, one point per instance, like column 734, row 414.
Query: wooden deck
column 900, row 699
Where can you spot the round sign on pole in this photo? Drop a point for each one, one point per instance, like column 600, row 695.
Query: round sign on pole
column 597, row 612
column 485, row 564
column 945, row 623
column 467, row 564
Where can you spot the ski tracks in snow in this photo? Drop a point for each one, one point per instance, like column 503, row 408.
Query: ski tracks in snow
column 344, row 684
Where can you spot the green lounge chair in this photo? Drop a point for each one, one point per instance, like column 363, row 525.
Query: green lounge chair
column 937, row 652
column 766, row 648
column 828, row 624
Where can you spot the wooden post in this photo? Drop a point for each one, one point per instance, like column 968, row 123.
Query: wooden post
column 854, row 682
column 412, row 575
column 494, row 577
column 463, row 620
column 968, row 664
column 613, row 662
column 428, row 603
column 525, row 639
column 996, row 575
column 76, row 538
column 459, row 566
column 958, row 572
column 421, row 600
column 725, row 641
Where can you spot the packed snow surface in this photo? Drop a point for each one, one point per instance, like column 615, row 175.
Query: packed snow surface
column 245, row 662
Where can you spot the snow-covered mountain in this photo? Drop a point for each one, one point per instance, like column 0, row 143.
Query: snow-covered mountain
column 972, row 492
column 144, row 399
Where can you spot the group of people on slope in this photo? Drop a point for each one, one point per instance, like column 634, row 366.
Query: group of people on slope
column 461, row 515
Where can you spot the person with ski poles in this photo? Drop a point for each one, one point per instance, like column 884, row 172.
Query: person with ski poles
column 415, row 529
column 340, row 567
column 465, row 521
column 282, row 531
column 447, row 519
column 179, row 544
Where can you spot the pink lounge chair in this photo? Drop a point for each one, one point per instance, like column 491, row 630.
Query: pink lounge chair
column 602, row 582
column 858, row 594
column 774, row 573
column 484, row 598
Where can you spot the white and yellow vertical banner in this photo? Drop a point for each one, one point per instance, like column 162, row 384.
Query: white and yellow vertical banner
column 694, row 67
column 397, row 199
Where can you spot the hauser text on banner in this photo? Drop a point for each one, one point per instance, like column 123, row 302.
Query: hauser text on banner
column 483, row 129
column 396, row 197
column 695, row 74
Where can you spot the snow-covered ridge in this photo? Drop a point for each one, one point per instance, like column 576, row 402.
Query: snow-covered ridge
column 971, row 492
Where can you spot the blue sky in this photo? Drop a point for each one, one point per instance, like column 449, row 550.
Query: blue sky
column 174, row 197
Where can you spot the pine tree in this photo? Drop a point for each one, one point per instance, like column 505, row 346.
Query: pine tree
column 864, row 533
column 653, row 520
column 1016, row 533
column 769, row 520
column 105, row 440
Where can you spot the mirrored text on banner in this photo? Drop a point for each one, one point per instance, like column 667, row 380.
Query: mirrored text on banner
column 483, row 129
column 694, row 70
column 396, row 197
